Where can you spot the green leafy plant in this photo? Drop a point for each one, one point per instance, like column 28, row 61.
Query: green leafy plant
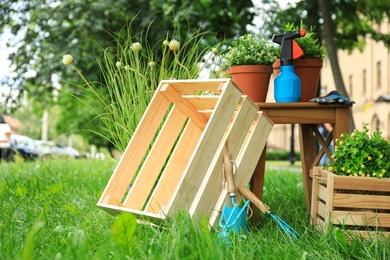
column 248, row 50
column 309, row 44
column 362, row 154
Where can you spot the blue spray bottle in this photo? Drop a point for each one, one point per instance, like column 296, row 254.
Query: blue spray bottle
column 287, row 83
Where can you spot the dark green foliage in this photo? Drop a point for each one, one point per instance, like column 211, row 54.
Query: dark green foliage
column 278, row 155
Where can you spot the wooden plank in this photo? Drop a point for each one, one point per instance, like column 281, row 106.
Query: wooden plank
column 175, row 168
column 330, row 191
column 190, row 87
column 361, row 201
column 202, row 102
column 314, row 201
column 369, row 234
column 322, row 192
column 362, row 183
column 249, row 154
column 156, row 159
column 211, row 188
column 136, row 149
column 359, row 218
column 355, row 183
column 206, row 149
column 300, row 116
column 183, row 105
column 307, row 145
column 323, row 211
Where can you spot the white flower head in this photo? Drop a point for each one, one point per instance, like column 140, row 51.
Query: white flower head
column 118, row 64
column 174, row 45
column 166, row 42
column 136, row 47
column 152, row 64
column 67, row 59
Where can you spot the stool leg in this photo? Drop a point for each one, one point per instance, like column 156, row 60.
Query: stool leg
column 307, row 145
column 257, row 181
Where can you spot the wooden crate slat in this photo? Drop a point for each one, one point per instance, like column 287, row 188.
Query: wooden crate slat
column 210, row 140
column 202, row 102
column 323, row 211
column 361, row 201
column 191, row 87
column 170, row 178
column 156, row 159
column 140, row 213
column 248, row 157
column 360, row 218
column 322, row 192
column 211, row 188
column 169, row 92
column 135, row 150
column 362, row 183
column 369, row 234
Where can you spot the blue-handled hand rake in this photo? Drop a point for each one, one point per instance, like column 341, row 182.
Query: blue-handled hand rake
column 267, row 211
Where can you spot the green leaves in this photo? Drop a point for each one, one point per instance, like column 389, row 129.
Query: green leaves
column 123, row 231
column 248, row 50
column 362, row 154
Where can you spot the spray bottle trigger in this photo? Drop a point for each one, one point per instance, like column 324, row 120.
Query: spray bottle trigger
column 297, row 52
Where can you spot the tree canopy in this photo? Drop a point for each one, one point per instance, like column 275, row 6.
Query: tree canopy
column 45, row 30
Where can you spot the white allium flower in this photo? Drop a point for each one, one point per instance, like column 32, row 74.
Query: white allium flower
column 136, row 47
column 118, row 64
column 215, row 50
column 152, row 64
column 174, row 45
column 67, row 59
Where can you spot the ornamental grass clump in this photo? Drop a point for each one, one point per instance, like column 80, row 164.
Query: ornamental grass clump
column 131, row 69
column 362, row 154
column 248, row 50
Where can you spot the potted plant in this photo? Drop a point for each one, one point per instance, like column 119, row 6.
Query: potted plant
column 250, row 65
column 308, row 67
column 354, row 191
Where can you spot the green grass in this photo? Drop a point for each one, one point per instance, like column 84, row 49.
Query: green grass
column 48, row 211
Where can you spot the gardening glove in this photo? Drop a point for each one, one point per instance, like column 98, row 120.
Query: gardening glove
column 332, row 97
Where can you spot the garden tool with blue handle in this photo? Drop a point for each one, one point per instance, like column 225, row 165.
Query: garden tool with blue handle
column 231, row 218
column 246, row 193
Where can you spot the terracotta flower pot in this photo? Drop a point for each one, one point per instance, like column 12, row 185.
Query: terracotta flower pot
column 253, row 80
column 308, row 70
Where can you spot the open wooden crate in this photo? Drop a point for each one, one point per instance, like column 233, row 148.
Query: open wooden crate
column 359, row 205
column 174, row 160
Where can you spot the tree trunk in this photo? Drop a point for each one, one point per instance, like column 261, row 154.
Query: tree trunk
column 328, row 36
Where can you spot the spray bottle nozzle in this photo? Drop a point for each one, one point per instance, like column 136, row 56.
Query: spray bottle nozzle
column 290, row 49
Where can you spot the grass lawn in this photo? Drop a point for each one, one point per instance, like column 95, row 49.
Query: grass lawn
column 48, row 211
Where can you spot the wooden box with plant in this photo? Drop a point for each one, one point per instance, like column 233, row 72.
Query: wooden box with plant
column 250, row 65
column 354, row 192
column 174, row 159
column 308, row 67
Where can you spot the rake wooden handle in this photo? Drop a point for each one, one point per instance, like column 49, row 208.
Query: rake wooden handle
column 228, row 169
column 252, row 197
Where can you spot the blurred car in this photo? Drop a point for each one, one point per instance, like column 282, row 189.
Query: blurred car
column 65, row 151
column 47, row 149
column 24, row 146
column 6, row 152
column 43, row 149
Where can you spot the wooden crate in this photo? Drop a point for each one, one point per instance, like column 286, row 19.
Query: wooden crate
column 360, row 205
column 174, row 160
